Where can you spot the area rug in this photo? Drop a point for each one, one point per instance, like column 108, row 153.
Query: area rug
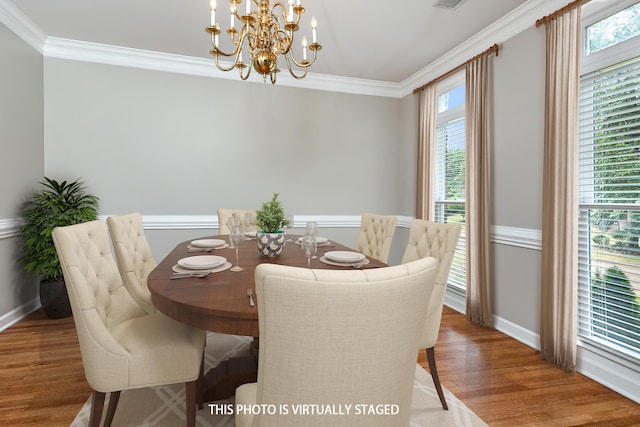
column 164, row 406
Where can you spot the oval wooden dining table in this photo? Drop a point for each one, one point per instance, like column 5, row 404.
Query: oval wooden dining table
column 219, row 301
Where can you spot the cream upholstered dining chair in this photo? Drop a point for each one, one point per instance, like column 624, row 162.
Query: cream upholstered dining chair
column 122, row 346
column 133, row 255
column 238, row 215
column 375, row 236
column 330, row 337
column 433, row 239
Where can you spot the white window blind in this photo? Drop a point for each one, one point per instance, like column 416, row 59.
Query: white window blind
column 609, row 223
column 450, row 174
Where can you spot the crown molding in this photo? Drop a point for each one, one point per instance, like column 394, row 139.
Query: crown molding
column 22, row 26
column 508, row 26
column 158, row 61
column 520, row 19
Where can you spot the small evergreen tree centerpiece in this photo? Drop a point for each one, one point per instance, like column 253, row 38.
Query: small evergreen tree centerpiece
column 270, row 219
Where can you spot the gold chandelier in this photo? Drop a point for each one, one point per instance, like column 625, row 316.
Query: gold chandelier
column 266, row 34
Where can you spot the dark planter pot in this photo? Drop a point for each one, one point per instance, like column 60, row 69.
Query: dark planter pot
column 55, row 300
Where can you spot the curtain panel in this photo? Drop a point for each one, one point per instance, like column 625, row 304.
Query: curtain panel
column 478, row 190
column 558, row 329
column 426, row 154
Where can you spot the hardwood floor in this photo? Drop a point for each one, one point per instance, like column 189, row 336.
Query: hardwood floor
column 500, row 379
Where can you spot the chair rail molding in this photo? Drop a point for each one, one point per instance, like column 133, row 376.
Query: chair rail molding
column 513, row 236
column 9, row 228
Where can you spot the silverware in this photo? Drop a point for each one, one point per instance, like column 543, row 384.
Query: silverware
column 200, row 249
column 250, row 294
column 194, row 274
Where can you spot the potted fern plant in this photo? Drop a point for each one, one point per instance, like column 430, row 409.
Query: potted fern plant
column 270, row 219
column 57, row 204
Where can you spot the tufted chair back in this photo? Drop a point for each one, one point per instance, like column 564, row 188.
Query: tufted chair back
column 133, row 255
column 433, row 239
column 122, row 346
column 375, row 236
column 99, row 301
column 320, row 343
column 238, row 215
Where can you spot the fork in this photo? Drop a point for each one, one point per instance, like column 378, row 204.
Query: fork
column 183, row 275
column 250, row 295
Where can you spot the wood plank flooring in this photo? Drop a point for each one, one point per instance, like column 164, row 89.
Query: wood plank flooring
column 505, row 382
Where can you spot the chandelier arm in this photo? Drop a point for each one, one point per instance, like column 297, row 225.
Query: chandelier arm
column 285, row 39
column 246, row 76
column 305, row 63
column 220, row 67
column 302, row 76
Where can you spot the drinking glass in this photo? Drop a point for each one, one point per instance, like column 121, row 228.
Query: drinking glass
column 312, row 228
column 309, row 247
column 289, row 225
column 248, row 222
column 235, row 238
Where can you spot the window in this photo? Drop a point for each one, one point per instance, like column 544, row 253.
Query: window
column 450, row 169
column 612, row 30
column 609, row 221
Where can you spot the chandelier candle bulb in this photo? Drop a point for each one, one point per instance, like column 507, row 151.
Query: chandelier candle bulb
column 314, row 24
column 248, row 9
column 304, row 48
column 213, row 5
column 233, row 11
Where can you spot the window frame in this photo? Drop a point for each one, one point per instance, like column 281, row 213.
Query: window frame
column 590, row 347
column 449, row 115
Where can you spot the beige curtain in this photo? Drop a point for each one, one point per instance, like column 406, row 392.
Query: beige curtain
column 426, row 153
column 558, row 331
column 478, row 197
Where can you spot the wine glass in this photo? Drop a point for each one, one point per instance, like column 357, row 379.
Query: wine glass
column 235, row 238
column 231, row 222
column 309, row 247
column 312, row 228
column 289, row 219
column 248, row 222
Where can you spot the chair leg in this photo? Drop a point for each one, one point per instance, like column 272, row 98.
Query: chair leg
column 97, row 404
column 114, row 397
column 200, row 385
column 190, row 389
column 431, row 358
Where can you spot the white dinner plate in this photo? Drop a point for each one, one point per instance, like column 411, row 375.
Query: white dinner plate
column 344, row 256
column 208, row 243
column 202, row 262
column 250, row 234
column 319, row 240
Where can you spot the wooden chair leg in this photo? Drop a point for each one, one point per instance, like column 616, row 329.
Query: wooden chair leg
column 114, row 397
column 190, row 389
column 200, row 385
column 431, row 358
column 97, row 404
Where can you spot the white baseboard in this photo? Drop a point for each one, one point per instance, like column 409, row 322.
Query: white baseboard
column 620, row 377
column 18, row 313
column 517, row 332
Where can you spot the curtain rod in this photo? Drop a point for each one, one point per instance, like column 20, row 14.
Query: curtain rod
column 489, row 51
column 560, row 11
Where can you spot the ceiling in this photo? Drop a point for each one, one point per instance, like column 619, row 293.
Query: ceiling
column 378, row 40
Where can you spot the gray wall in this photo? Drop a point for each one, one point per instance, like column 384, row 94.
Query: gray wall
column 519, row 79
column 169, row 144
column 21, row 162
column 163, row 143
